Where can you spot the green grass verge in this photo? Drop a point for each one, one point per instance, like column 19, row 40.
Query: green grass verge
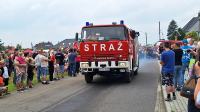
column 12, row 87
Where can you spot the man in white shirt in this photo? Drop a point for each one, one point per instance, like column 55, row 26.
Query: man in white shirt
column 38, row 60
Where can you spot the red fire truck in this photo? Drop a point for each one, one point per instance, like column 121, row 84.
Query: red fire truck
column 108, row 50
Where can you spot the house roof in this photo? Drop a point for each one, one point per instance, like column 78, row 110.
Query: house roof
column 44, row 45
column 190, row 23
column 64, row 43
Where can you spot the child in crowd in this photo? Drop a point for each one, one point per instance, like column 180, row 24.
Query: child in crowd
column 5, row 75
column 3, row 88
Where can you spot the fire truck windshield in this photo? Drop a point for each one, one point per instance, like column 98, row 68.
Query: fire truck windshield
column 103, row 33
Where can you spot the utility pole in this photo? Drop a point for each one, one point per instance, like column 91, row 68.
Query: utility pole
column 159, row 30
column 146, row 37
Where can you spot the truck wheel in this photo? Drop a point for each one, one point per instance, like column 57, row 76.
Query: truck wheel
column 136, row 72
column 127, row 77
column 88, row 78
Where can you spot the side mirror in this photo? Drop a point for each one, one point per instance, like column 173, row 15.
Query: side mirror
column 76, row 37
column 133, row 34
column 137, row 34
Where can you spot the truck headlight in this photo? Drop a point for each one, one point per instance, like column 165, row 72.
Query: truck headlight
column 84, row 65
column 122, row 64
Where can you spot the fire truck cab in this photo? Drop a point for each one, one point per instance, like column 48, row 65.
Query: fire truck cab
column 108, row 50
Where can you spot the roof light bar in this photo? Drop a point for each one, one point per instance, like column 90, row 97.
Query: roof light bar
column 122, row 22
column 87, row 23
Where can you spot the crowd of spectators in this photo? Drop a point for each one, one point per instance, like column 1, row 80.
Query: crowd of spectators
column 180, row 62
column 21, row 67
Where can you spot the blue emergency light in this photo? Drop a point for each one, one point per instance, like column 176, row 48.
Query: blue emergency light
column 122, row 22
column 87, row 23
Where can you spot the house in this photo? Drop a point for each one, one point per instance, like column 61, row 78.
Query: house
column 193, row 24
column 47, row 45
column 44, row 45
column 64, row 44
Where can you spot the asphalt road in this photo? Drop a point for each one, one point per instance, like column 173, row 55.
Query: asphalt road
column 113, row 95
column 104, row 95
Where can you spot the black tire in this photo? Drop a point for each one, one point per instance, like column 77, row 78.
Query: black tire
column 136, row 72
column 128, row 77
column 132, row 74
column 88, row 78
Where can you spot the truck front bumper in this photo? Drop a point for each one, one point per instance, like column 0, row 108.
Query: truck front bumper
column 105, row 66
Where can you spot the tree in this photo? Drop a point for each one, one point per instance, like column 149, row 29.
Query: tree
column 172, row 28
column 1, row 45
column 19, row 47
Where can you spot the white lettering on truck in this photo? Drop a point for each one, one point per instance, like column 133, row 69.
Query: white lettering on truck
column 94, row 45
column 86, row 47
column 103, row 47
column 111, row 47
column 120, row 46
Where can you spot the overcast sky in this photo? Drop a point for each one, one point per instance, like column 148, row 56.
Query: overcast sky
column 26, row 21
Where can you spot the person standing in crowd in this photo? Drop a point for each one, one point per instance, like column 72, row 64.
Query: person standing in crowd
column 10, row 67
column 185, row 60
column 3, row 88
column 78, row 59
column 38, row 60
column 30, row 72
column 30, row 69
column 60, row 60
column 72, row 62
column 20, row 66
column 178, row 66
column 51, row 64
column 14, row 69
column 44, row 68
column 5, row 75
column 168, row 64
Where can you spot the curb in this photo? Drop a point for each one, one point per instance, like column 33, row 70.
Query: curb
column 160, row 104
column 179, row 105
